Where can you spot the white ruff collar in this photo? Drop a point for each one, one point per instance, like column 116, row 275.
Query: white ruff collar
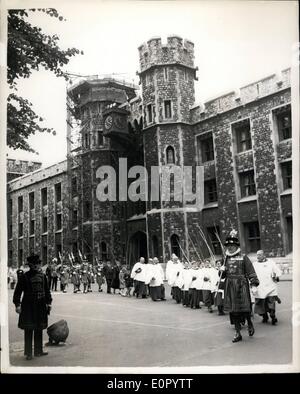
column 233, row 254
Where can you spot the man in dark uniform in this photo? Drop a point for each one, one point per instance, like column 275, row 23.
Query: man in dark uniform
column 20, row 272
column 238, row 272
column 34, row 306
column 108, row 274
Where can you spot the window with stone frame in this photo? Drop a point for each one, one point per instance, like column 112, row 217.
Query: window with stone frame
column 74, row 186
column 75, row 218
column 86, row 140
column 284, row 125
column 166, row 73
column 58, row 192
column 10, row 231
column 168, row 109
column 58, row 250
column 149, row 113
column 252, row 237
column 247, row 183
column 286, row 173
column 214, row 236
column 21, row 229
column 44, row 224
column 31, row 245
column 210, row 191
column 58, row 221
column 206, row 148
column 100, row 138
column 10, row 256
column 44, row 254
column 242, row 136
column 20, row 256
column 44, row 196
column 32, row 227
column 31, row 200
column 170, row 155
column 20, row 204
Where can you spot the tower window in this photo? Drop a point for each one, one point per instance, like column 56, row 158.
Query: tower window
column 149, row 113
column 168, row 109
column 243, row 137
column 185, row 75
column 210, row 191
column 100, row 138
column 170, row 154
column 247, row 183
column 284, row 124
column 286, row 172
column 166, row 73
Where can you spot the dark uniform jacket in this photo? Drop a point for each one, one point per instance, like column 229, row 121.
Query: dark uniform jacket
column 238, row 272
column 36, row 296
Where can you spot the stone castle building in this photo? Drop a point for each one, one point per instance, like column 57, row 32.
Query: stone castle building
column 241, row 141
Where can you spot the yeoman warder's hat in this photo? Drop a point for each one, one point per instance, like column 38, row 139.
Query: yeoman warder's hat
column 232, row 239
column 34, row 259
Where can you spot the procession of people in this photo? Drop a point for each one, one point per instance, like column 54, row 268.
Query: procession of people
column 232, row 286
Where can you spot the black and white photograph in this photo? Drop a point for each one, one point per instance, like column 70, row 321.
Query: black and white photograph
column 149, row 187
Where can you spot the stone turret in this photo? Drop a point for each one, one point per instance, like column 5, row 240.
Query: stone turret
column 167, row 75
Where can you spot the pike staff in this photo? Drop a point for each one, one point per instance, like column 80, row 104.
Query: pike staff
column 207, row 245
column 194, row 248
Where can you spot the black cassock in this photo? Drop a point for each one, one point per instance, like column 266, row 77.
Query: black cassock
column 238, row 272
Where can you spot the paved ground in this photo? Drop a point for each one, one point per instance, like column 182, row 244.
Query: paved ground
column 114, row 331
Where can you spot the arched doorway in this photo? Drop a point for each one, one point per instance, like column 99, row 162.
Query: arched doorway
column 137, row 247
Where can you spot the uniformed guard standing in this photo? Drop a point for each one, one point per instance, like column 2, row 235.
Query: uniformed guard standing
column 238, row 272
column 34, row 306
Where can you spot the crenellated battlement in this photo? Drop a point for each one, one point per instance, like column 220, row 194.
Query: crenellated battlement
column 176, row 50
column 244, row 95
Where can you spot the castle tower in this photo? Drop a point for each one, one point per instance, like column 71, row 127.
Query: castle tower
column 167, row 76
column 96, row 228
